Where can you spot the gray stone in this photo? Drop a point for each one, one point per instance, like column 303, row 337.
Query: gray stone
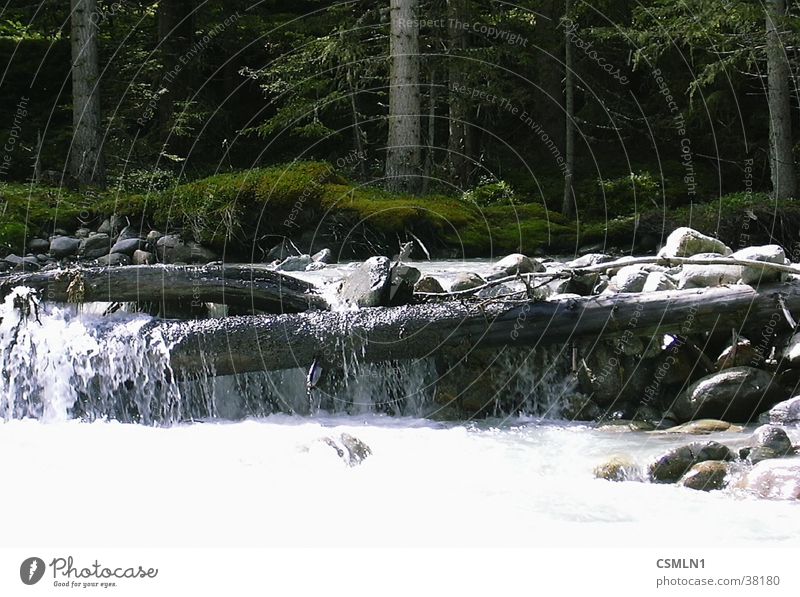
column 515, row 263
column 401, row 285
column 736, row 394
column 315, row 266
column 466, row 281
column 618, row 468
column 658, row 282
column 82, row 233
column 773, row 438
column 323, row 256
column 24, row 263
column 281, row 251
column 94, row 246
column 295, row 263
column 786, row 412
column 64, row 246
column 39, row 245
column 708, row 276
column 143, row 258
column 128, row 246
column 172, row 249
column 675, row 463
column 773, row 479
column 630, row 278
column 114, row 259
column 768, row 254
column 368, row 285
column 111, row 225
column 128, row 233
column 742, row 354
column 706, row 476
column 429, row 284
column 153, row 236
column 589, row 260
column 685, row 242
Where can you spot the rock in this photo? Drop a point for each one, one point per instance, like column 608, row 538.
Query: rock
column 368, row 285
column 114, row 259
column 786, row 412
column 315, row 266
column 703, row 427
column 773, row 438
column 589, row 260
column 350, row 449
column 128, row 233
column 295, row 263
column 172, row 249
column 39, row 245
column 64, row 246
column 706, row 476
column 401, row 285
column 429, row 284
column 128, row 246
column 466, row 281
column 743, row 354
column 94, row 246
column 708, row 276
column 767, row 253
column 515, row 263
column 23, row 263
column 773, row 480
column 323, row 256
column 630, row 278
column 82, row 233
column 657, row 282
column 153, row 236
column 143, row 258
column 792, row 350
column 685, row 242
column 736, row 394
column 281, row 251
column 111, row 225
column 618, row 468
column 675, row 463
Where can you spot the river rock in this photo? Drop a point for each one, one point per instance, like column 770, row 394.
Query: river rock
column 323, row 256
column 708, row 276
column 111, row 225
column 24, row 263
column 429, row 284
column 114, row 259
column 675, row 463
column 515, row 264
column 401, row 284
column 786, row 412
column 589, row 260
column 281, row 251
column 743, row 354
column 685, row 242
column 82, row 233
column 295, row 263
column 128, row 233
column 466, row 281
column 770, row 441
column 172, row 249
column 143, row 258
column 64, row 246
column 703, row 427
column 767, row 253
column 630, row 278
column 658, row 281
column 39, row 245
column 736, row 394
column 773, row 479
column 618, row 468
column 94, row 246
column 368, row 285
column 128, row 246
column 706, row 476
column 153, row 236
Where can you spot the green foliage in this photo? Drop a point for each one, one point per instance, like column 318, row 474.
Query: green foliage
column 626, row 195
column 490, row 193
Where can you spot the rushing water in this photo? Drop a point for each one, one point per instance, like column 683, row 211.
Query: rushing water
column 234, row 456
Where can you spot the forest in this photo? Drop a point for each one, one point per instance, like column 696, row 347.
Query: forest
column 476, row 127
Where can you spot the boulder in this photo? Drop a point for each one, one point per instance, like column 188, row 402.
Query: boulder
column 295, row 263
column 23, row 263
column 466, row 281
column 770, row 441
column 708, row 276
column 64, row 246
column 589, row 260
column 368, row 285
column 82, row 233
column 675, row 463
column 94, row 246
column 742, row 354
column 737, row 394
column 323, row 256
column 281, row 251
column 515, row 264
column 703, row 427
column 39, row 245
column 429, row 284
column 618, row 468
column 401, row 286
column 685, row 242
column 112, row 225
column 630, row 278
column 786, row 412
column 773, row 479
column 128, row 246
column 114, row 259
column 172, row 249
column 709, row 475
column 153, row 236
column 657, row 282
column 143, row 258
column 768, row 254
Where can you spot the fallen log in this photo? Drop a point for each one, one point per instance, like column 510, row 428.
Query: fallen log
column 262, row 343
column 242, row 286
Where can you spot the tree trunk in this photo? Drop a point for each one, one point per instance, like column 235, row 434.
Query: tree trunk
column 431, row 140
column 86, row 155
column 781, row 157
column 569, row 107
column 262, row 343
column 457, row 144
column 403, row 166
column 357, row 132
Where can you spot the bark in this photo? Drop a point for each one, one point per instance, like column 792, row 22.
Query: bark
column 403, row 165
column 247, row 344
column 86, row 154
column 548, row 95
column 242, row 287
column 569, row 107
column 458, row 145
column 781, row 158
column 431, row 140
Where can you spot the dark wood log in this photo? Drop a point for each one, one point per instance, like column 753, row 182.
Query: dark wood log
column 242, row 286
column 260, row 343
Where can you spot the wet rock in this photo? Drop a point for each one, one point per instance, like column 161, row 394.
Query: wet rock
column 685, row 242
column 114, row 259
column 773, row 480
column 618, row 468
column 143, row 258
column 323, row 256
column 368, row 285
column 706, row 476
column 767, row 253
column 39, row 245
column 64, row 246
column 658, row 282
column 295, row 263
column 172, row 249
column 770, row 441
column 741, row 355
column 515, row 264
column 630, row 278
column 94, row 246
column 675, row 463
column 703, row 427
column 466, row 281
column 350, row 449
column 429, row 284
column 128, row 246
column 786, row 412
column 401, row 285
column 589, row 260
column 737, row 394
column 23, row 263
